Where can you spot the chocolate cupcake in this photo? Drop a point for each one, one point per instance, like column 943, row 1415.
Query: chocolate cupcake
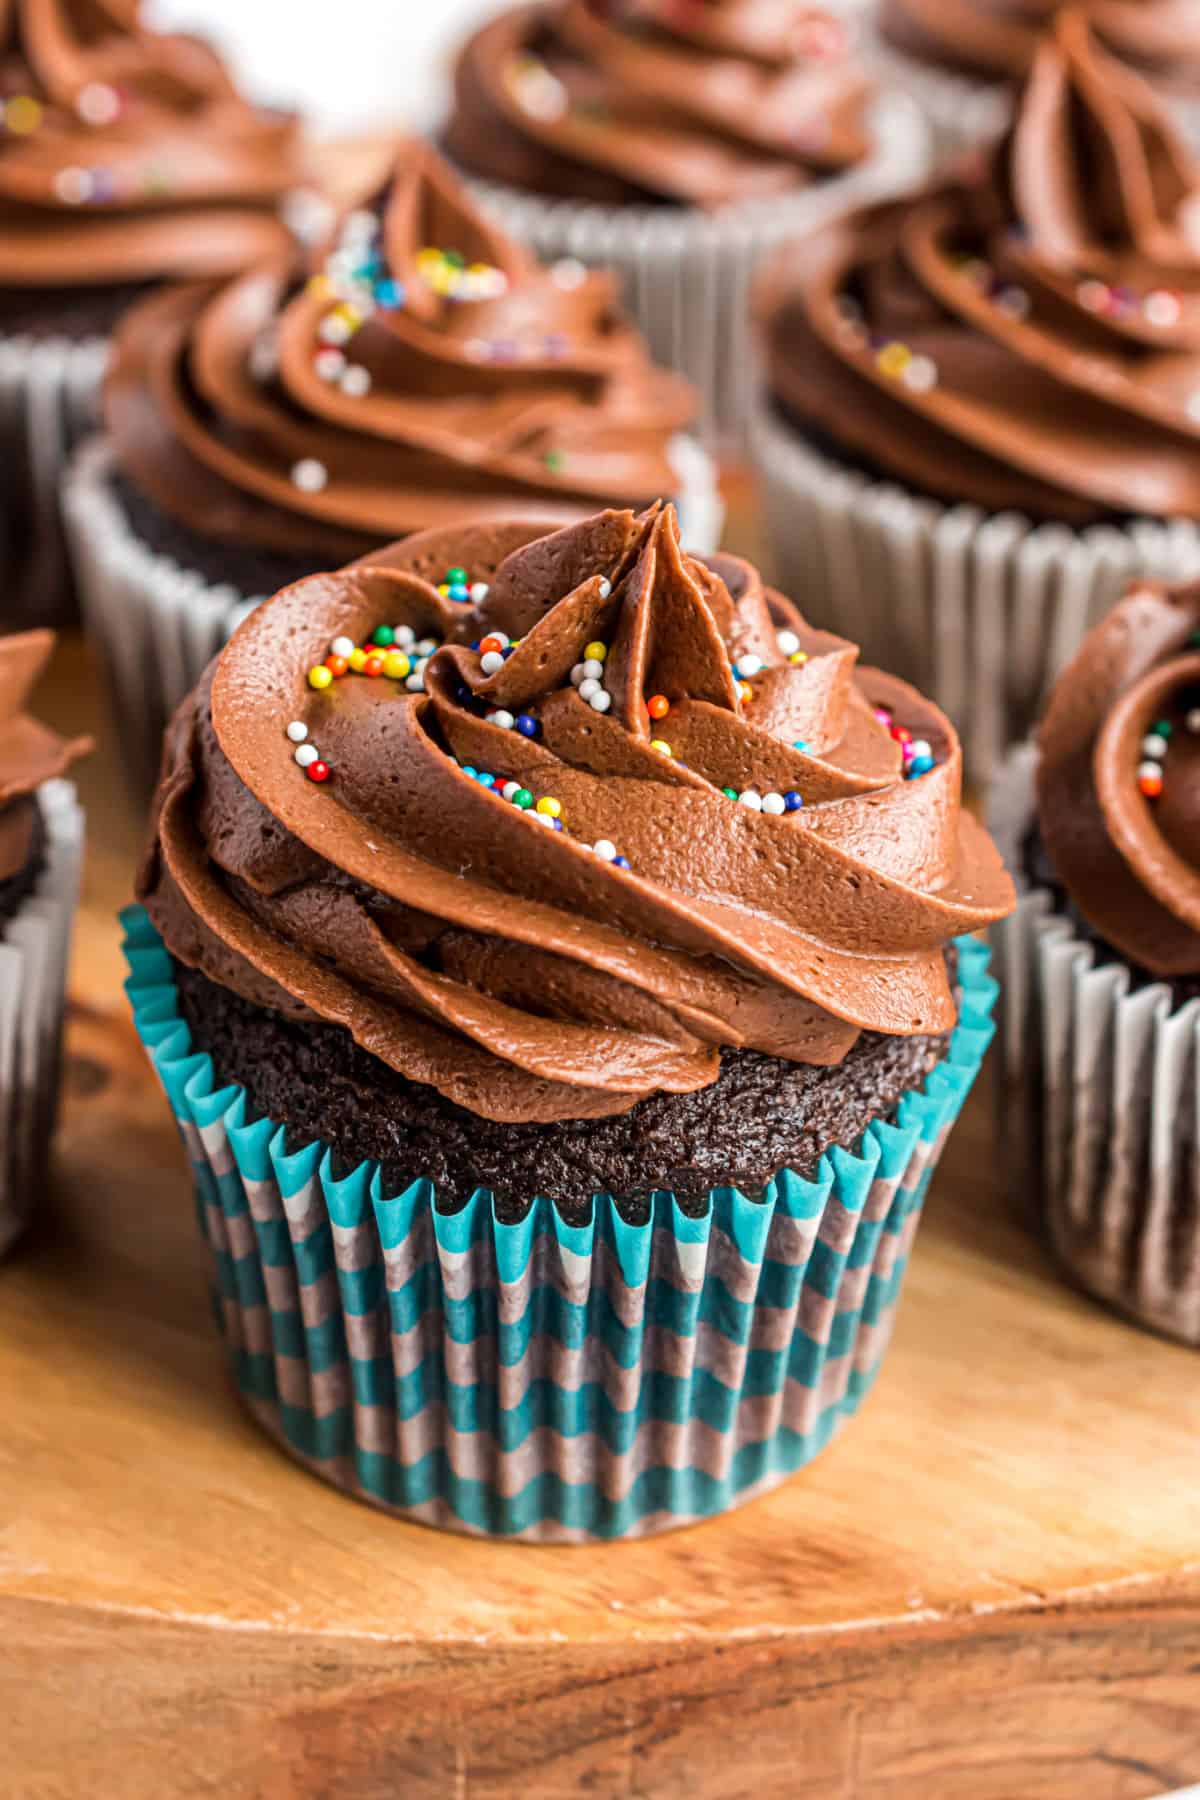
column 1102, row 961
column 983, row 406
column 963, row 58
column 426, row 370
column 563, row 1050
column 41, row 843
column 676, row 145
column 126, row 158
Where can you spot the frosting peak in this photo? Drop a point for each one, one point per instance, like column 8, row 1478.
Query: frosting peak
column 127, row 154
column 1119, row 779
column 632, row 811
column 693, row 104
column 1027, row 336
column 427, row 366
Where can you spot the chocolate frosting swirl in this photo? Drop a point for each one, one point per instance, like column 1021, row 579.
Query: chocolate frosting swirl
column 520, row 965
column 998, row 39
column 396, row 390
column 29, row 753
column 1030, row 339
column 126, row 154
column 684, row 102
column 1129, row 859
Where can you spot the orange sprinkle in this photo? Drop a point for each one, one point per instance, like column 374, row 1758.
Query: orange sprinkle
column 373, row 665
column 658, row 706
column 1151, row 786
column 337, row 665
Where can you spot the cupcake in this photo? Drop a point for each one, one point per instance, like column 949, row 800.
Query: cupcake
column 562, row 1051
column 41, row 843
column 983, row 406
column 676, row 145
column 1102, row 960
column 962, row 58
column 126, row 157
column 428, row 369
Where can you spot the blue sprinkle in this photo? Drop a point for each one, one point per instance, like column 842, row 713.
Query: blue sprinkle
column 920, row 765
column 459, row 594
column 389, row 293
column 620, row 862
column 800, row 744
column 477, row 643
column 557, row 824
column 527, row 725
column 507, row 651
column 468, row 770
column 792, row 800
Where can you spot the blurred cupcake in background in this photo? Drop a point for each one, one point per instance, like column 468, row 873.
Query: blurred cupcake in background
column 962, row 59
column 41, row 845
column 126, row 158
column 1101, row 962
column 563, row 1049
column 982, row 414
column 676, row 143
column 284, row 422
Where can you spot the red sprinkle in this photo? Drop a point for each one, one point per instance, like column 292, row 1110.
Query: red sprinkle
column 491, row 643
column 372, row 666
column 658, row 706
column 1151, row 786
column 318, row 771
column 902, row 734
column 337, row 665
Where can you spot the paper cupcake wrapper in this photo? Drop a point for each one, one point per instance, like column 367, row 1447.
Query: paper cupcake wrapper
column 686, row 275
column 542, row 1380
column 34, row 946
column 49, row 400
column 158, row 625
column 980, row 611
column 1101, row 1081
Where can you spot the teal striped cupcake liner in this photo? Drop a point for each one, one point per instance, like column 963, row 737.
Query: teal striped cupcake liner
column 545, row 1381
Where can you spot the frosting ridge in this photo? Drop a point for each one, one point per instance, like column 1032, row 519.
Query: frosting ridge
column 30, row 753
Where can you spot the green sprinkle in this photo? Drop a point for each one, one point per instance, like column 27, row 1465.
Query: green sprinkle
column 456, row 577
column 455, row 258
column 384, row 636
column 523, row 798
column 554, row 459
column 1163, row 728
column 731, row 793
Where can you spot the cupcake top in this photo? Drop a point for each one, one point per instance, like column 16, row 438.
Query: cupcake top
column 678, row 102
column 429, row 368
column 998, row 39
column 1028, row 337
column 30, row 754
column 127, row 155
column 548, row 821
column 1118, row 782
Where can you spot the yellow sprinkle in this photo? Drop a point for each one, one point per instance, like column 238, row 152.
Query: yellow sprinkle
column 745, row 690
column 552, row 808
column 595, row 652
column 396, row 665
column 320, row 287
column 893, row 359
column 23, row 114
column 663, row 748
column 350, row 314
column 798, row 656
column 357, row 660
column 320, row 677
column 443, row 588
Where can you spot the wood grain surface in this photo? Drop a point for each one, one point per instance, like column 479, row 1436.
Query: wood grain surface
column 989, row 1587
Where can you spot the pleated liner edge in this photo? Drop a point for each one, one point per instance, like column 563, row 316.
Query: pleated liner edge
column 541, row 1380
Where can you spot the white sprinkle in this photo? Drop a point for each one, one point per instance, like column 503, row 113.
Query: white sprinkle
column 579, row 673
column 479, row 592
column 604, row 850
column 600, row 701
column 335, row 328
column 788, row 642
column 329, row 364
column 749, row 665
column 1193, row 719
column 297, row 731
column 415, row 683
column 342, row 646
column 1154, row 745
column 1192, row 405
column 404, row 634
column 97, row 103
column 593, row 670
column 73, row 186
column 569, row 273
column 307, row 214
column 605, row 588
column 309, row 475
column 1162, row 308
column 588, row 686
column 490, row 661
column 1147, row 770
column 920, row 374
column 502, row 718
column 543, row 819
column 919, row 747
column 356, row 381
column 306, row 755
column 751, row 798
column 773, row 803
column 359, row 226
column 510, row 788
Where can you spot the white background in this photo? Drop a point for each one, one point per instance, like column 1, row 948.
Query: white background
column 351, row 65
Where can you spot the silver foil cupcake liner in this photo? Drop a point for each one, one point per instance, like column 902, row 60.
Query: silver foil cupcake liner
column 1099, row 1098
column 34, row 948
column 978, row 610
column 49, row 401
column 686, row 275
column 159, row 625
